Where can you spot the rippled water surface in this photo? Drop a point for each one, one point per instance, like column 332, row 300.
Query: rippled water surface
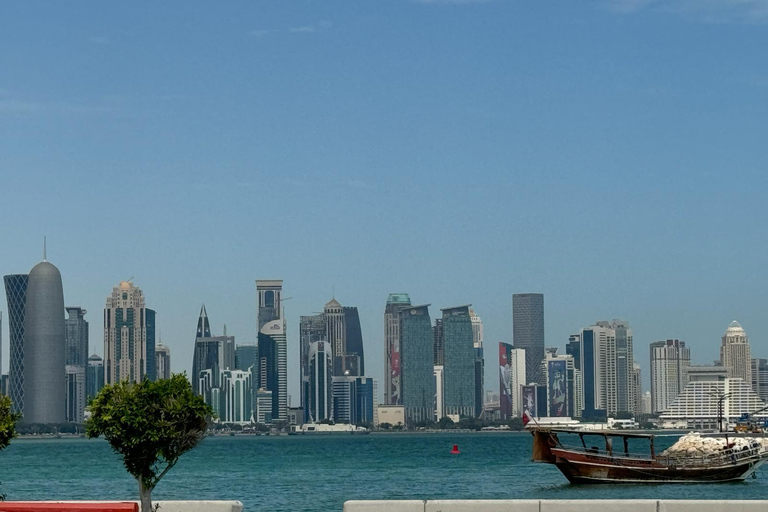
column 320, row 473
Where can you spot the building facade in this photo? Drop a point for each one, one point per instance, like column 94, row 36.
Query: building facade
column 528, row 332
column 477, row 342
column 44, row 342
column 94, row 376
column 16, row 296
column 459, row 364
column 760, row 378
column 151, row 343
column 416, row 368
column 318, row 386
column 162, row 362
column 125, row 335
column 735, row 353
column 273, row 355
column 395, row 303
column 353, row 399
column 76, row 396
column 670, row 360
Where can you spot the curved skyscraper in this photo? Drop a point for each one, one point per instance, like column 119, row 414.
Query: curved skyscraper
column 16, row 294
column 44, row 347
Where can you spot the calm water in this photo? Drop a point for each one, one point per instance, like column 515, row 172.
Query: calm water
column 320, row 473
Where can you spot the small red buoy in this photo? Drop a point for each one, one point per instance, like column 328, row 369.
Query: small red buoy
column 455, row 450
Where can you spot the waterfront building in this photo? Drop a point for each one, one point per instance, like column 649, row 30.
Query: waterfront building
column 389, row 414
column 214, row 353
column 416, row 357
column 528, row 332
column 709, row 396
column 439, row 392
column 44, row 342
column 395, row 303
column 353, row 398
column 607, row 373
column 125, row 335
column 333, row 314
column 670, row 360
column 512, row 378
column 355, row 354
column 264, row 406
column 318, row 386
column 162, row 362
column 477, row 342
column 273, row 358
column 735, row 354
column 645, row 410
column 760, row 378
column 94, row 376
column 437, row 342
column 16, row 296
column 459, row 365
column 311, row 329
column 561, row 386
column 296, row 416
column 150, row 364
column 75, row 393
column 77, row 336
column 237, row 397
column 637, row 383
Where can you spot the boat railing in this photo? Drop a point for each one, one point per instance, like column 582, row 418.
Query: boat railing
column 727, row 456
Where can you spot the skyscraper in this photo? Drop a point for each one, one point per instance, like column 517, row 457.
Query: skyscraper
column 395, row 303
column 760, row 378
column 438, row 342
column 151, row 366
column 16, row 295
column 335, row 332
column 44, row 341
column 75, row 394
column 125, row 335
column 459, row 366
column 273, row 359
column 625, row 387
column 355, row 355
column 162, row 362
column 735, row 353
column 528, row 332
column 94, row 376
column 77, row 337
column 477, row 340
column 415, row 356
column 246, row 356
column 319, row 383
column 311, row 329
column 203, row 324
column 670, row 360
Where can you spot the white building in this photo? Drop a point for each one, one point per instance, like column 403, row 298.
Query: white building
column 318, row 387
column 75, row 396
column 517, row 380
column 439, row 392
column 670, row 360
column 646, row 403
column 734, row 353
column 391, row 414
column 237, row 394
column 125, row 335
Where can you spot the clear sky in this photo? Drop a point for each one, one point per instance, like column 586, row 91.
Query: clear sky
column 609, row 154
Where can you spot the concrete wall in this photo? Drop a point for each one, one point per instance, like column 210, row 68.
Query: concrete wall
column 198, row 506
column 557, row 506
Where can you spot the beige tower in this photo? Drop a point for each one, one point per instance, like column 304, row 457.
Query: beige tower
column 125, row 335
column 734, row 353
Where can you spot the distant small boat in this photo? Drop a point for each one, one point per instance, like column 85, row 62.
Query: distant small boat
column 591, row 464
column 322, row 428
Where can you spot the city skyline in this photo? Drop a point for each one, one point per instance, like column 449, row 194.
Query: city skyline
column 460, row 152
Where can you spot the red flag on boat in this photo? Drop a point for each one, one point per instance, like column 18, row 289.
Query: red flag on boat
column 526, row 417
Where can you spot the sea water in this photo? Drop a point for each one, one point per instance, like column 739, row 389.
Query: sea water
column 319, row 473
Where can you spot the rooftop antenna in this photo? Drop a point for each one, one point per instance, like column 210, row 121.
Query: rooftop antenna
column 45, row 249
column 225, row 329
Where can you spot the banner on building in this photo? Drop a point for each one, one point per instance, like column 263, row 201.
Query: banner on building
column 529, row 400
column 505, row 377
column 558, row 395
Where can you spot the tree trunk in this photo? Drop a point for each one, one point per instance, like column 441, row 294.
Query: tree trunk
column 145, row 493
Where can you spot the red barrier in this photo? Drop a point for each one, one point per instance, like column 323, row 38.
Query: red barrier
column 69, row 506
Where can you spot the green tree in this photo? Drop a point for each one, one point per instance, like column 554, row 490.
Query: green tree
column 150, row 424
column 8, row 421
column 516, row 424
column 445, row 422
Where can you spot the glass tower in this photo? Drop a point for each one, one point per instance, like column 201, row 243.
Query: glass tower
column 395, row 303
column 528, row 332
column 16, row 295
column 417, row 374
column 77, row 337
column 273, row 354
column 459, row 362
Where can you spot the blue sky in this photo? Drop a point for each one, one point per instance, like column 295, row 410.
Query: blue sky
column 609, row 154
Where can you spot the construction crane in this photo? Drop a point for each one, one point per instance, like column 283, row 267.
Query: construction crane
column 746, row 424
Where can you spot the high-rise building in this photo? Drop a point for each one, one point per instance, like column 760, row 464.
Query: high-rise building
column 512, row 378
column 670, row 360
column 125, row 335
column 319, row 384
column 395, row 303
column 528, row 332
column 75, row 399
column 646, row 404
column 573, row 349
column 735, row 354
column 416, row 369
column 237, row 397
column 437, row 342
column 439, row 392
column 203, row 324
column 44, row 342
column 273, row 357
column 354, row 349
column 16, row 295
column 598, row 364
column 151, row 342
column 215, row 353
column 353, row 398
column 162, row 362
column 625, row 388
column 77, row 337
column 333, row 313
column 264, row 406
column 637, row 384
column 459, row 367
column 94, row 376
column 246, row 356
column 760, row 378
column 311, row 329
column 477, row 342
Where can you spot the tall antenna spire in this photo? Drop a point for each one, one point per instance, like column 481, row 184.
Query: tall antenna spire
column 45, row 250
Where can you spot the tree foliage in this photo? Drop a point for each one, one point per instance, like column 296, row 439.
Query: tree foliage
column 8, row 421
column 150, row 424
